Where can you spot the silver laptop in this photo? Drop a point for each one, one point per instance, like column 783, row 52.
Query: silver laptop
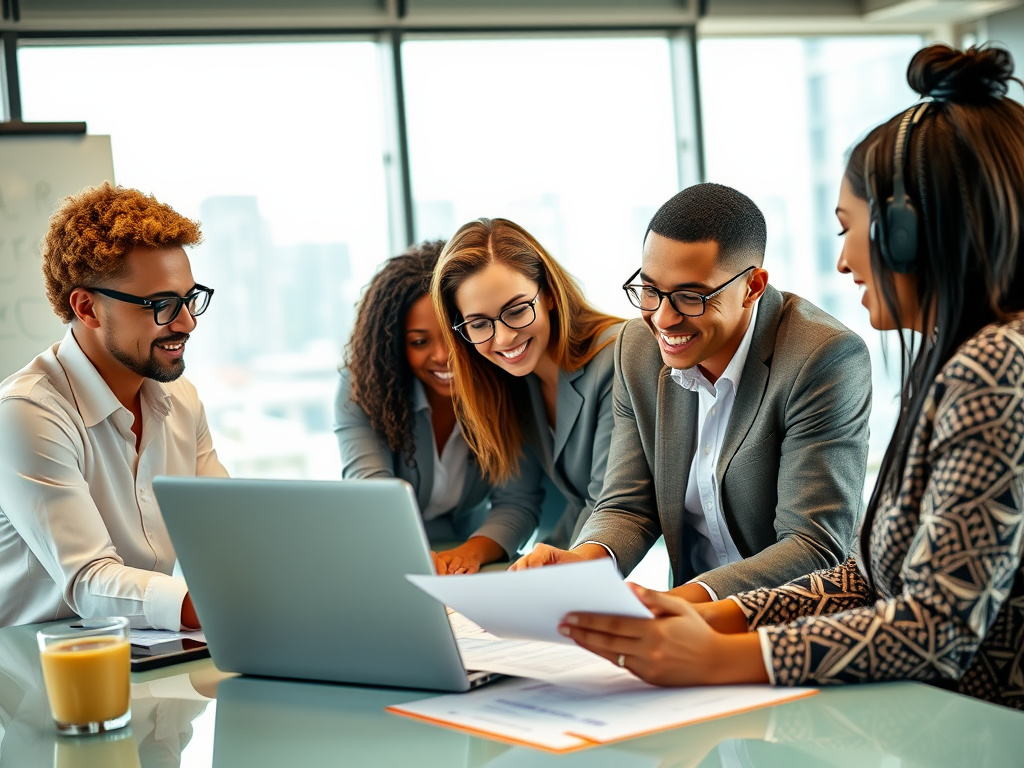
column 306, row 579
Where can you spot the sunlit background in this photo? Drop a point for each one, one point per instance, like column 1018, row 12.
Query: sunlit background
column 279, row 150
column 310, row 157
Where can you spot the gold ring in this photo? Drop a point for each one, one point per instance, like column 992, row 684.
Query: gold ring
column 622, row 660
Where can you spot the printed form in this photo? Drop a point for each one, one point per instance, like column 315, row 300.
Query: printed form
column 553, row 662
column 563, row 718
column 529, row 605
column 573, row 699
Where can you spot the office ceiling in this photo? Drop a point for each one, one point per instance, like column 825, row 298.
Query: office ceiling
column 712, row 16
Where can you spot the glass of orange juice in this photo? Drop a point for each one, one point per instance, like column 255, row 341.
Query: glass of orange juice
column 86, row 667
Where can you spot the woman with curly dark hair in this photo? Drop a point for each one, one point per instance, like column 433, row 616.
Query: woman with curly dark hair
column 394, row 415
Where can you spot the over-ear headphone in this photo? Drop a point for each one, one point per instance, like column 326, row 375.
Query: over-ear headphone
column 894, row 223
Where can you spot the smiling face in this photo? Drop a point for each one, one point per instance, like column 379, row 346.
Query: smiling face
column 130, row 333
column 425, row 348
column 491, row 291
column 855, row 260
column 711, row 339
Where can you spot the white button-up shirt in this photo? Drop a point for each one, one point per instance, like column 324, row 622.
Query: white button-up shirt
column 80, row 530
column 711, row 543
column 450, row 468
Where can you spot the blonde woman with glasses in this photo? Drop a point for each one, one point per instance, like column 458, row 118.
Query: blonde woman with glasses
column 533, row 371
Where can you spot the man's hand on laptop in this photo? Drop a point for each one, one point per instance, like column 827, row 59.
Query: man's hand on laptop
column 189, row 620
column 468, row 557
column 543, row 554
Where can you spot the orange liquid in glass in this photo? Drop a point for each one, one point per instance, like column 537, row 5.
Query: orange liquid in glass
column 87, row 679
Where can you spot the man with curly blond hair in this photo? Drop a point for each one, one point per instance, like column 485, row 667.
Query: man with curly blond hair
column 88, row 424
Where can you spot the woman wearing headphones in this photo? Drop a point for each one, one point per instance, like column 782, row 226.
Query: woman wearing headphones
column 931, row 208
column 533, row 377
column 393, row 410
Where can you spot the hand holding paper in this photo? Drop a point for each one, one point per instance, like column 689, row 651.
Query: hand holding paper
column 573, row 703
column 677, row 648
column 529, row 605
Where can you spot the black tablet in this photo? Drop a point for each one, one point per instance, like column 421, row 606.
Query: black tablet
column 168, row 652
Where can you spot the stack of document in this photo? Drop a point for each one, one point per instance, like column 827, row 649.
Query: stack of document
column 529, row 605
column 551, row 662
column 150, row 637
column 573, row 699
column 563, row 718
column 520, row 613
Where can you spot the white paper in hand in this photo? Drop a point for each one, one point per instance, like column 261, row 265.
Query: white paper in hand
column 529, row 605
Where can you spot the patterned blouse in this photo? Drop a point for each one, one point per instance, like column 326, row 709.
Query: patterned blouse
column 948, row 602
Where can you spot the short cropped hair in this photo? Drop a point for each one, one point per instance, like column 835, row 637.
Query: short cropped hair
column 92, row 233
column 707, row 213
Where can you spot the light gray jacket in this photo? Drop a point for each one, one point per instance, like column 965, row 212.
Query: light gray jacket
column 574, row 458
column 366, row 454
column 792, row 467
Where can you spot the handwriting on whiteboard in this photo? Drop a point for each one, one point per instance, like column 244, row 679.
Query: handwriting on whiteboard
column 36, row 173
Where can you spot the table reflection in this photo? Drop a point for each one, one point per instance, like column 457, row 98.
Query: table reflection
column 269, row 722
column 883, row 725
column 266, row 722
column 261, row 723
column 161, row 724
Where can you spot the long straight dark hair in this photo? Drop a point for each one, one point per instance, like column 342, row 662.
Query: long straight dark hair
column 964, row 174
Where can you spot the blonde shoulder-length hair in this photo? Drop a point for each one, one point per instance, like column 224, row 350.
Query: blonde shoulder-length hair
column 489, row 400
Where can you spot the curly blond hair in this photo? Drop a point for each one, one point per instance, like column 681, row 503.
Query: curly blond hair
column 92, row 233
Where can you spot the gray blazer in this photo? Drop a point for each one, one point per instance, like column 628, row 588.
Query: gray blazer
column 365, row 454
column 574, row 458
column 791, row 472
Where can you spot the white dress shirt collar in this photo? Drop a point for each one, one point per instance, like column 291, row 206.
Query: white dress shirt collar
column 694, row 379
column 450, row 467
column 80, row 530
column 91, row 393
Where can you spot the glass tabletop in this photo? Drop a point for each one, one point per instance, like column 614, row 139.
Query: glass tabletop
column 194, row 716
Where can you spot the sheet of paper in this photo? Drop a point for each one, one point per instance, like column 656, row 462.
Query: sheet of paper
column 529, row 605
column 482, row 651
column 148, row 637
column 529, row 658
column 564, row 718
column 495, row 717
column 619, row 715
column 464, row 629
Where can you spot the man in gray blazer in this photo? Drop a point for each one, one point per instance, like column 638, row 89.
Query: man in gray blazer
column 741, row 414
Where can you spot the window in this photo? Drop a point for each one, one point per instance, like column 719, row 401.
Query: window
column 573, row 139
column 779, row 132
column 277, row 148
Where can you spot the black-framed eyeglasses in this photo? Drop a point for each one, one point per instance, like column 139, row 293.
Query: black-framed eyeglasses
column 481, row 329
column 689, row 303
column 166, row 309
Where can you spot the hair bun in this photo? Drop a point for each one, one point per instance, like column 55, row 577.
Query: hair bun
column 974, row 76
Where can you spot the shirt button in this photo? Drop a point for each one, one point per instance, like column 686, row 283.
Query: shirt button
column 714, row 411
column 708, row 506
column 142, row 492
column 707, row 450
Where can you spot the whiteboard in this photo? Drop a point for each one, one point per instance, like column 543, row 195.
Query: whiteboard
column 36, row 173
